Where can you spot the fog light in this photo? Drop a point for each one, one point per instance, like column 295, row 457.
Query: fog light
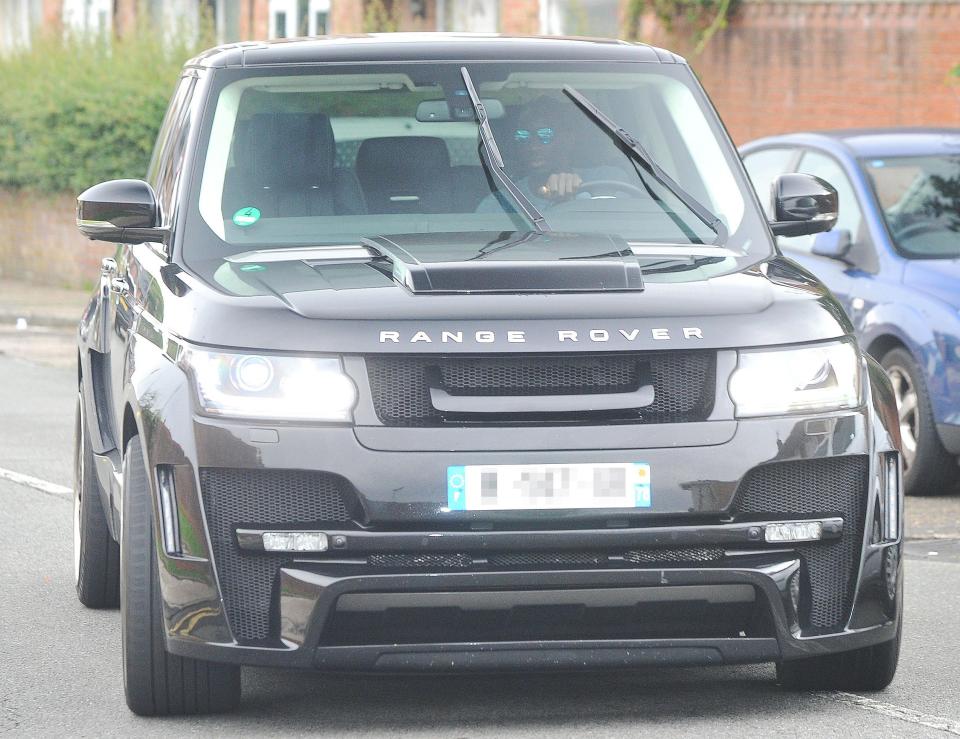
column 294, row 541
column 793, row 531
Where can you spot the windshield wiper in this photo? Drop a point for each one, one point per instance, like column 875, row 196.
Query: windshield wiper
column 640, row 155
column 494, row 161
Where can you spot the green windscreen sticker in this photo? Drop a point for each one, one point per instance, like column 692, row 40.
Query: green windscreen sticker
column 246, row 217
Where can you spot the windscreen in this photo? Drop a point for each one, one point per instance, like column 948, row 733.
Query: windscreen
column 333, row 155
column 920, row 199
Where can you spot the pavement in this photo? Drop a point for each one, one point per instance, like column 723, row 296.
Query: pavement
column 61, row 662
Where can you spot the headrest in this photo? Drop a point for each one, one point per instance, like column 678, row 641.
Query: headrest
column 412, row 154
column 287, row 149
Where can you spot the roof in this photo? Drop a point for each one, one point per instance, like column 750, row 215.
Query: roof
column 415, row 47
column 875, row 142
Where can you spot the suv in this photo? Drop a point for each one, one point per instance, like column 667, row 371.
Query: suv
column 356, row 395
column 892, row 264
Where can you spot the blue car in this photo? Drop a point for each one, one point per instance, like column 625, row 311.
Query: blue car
column 893, row 261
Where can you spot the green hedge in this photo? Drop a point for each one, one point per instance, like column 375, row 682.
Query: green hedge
column 74, row 112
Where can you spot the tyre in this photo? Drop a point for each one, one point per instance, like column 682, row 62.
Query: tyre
column 928, row 468
column 865, row 669
column 157, row 683
column 96, row 556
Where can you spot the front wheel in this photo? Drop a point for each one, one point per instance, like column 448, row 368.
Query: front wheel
column 928, row 469
column 156, row 682
column 867, row 669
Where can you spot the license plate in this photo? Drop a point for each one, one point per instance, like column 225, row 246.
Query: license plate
column 548, row 486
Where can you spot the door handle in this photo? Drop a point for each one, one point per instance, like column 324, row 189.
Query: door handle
column 119, row 286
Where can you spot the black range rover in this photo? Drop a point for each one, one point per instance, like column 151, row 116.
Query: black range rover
column 451, row 353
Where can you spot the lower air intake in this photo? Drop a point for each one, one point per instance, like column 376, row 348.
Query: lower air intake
column 234, row 499
column 817, row 488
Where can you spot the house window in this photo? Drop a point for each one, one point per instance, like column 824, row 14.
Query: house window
column 318, row 13
column 580, row 17
column 280, row 25
column 468, row 16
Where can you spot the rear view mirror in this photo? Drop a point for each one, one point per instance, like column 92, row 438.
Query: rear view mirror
column 832, row 244
column 803, row 204
column 432, row 111
column 120, row 211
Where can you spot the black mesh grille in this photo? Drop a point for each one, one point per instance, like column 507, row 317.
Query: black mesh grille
column 547, row 559
column 257, row 499
column 451, row 561
column 523, row 560
column 836, row 486
column 683, row 383
column 664, row 556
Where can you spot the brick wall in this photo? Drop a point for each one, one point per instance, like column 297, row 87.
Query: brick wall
column 783, row 66
column 39, row 241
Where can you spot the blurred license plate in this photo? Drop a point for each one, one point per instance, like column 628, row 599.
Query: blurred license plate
column 546, row 486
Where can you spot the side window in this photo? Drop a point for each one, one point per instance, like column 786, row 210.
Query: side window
column 851, row 217
column 764, row 167
column 169, row 151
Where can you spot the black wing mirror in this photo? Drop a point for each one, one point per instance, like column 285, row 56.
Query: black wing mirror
column 832, row 244
column 120, row 211
column 803, row 204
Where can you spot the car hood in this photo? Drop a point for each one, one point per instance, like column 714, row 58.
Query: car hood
column 584, row 297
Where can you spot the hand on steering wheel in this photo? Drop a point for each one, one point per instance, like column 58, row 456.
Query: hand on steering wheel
column 560, row 186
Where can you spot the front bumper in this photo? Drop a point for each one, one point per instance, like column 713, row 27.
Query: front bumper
column 610, row 604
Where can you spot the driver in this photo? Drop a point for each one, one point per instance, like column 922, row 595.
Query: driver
column 542, row 144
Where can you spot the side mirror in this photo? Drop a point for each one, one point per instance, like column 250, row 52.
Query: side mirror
column 120, row 211
column 802, row 205
column 832, row 244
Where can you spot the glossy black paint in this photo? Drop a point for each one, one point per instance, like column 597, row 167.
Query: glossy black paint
column 803, row 204
column 124, row 211
column 131, row 384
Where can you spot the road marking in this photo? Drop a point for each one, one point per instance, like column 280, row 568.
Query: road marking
column 898, row 712
column 34, row 482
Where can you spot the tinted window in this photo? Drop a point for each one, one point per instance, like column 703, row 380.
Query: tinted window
column 764, row 167
column 167, row 161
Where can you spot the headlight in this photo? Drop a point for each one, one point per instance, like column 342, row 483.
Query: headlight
column 771, row 382
column 271, row 386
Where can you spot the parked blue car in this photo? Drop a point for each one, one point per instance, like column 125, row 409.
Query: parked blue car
column 893, row 260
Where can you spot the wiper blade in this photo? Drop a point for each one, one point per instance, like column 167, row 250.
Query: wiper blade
column 640, row 155
column 494, row 161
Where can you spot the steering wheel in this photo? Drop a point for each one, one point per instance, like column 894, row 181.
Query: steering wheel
column 611, row 186
column 915, row 229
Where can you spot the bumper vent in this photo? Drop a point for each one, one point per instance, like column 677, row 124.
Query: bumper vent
column 552, row 560
column 683, row 384
column 262, row 498
column 836, row 486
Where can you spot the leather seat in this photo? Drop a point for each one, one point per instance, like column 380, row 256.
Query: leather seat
column 405, row 174
column 284, row 166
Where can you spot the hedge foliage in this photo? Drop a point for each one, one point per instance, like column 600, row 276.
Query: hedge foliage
column 76, row 111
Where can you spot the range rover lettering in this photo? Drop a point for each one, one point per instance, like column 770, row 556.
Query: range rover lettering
column 445, row 353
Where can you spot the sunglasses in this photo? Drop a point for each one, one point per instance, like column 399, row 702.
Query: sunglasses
column 524, row 136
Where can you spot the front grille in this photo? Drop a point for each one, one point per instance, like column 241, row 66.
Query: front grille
column 683, row 384
column 235, row 498
column 537, row 559
column 835, row 486
column 452, row 561
column 671, row 556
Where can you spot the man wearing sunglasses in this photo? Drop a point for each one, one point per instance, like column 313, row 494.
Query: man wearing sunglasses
column 539, row 156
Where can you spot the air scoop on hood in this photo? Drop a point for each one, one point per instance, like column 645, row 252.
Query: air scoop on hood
column 443, row 263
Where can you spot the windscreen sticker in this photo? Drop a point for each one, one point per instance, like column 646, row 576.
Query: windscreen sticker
column 252, row 268
column 246, row 216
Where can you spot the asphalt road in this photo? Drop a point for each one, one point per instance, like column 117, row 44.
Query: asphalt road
column 61, row 662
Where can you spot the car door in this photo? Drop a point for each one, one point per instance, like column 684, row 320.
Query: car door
column 130, row 283
column 848, row 280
